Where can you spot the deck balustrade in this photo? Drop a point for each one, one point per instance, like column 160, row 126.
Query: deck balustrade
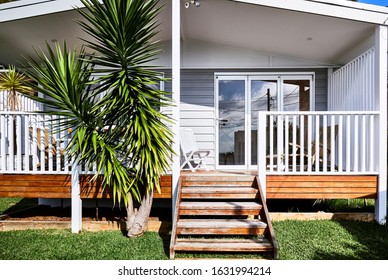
column 318, row 142
column 32, row 143
column 288, row 143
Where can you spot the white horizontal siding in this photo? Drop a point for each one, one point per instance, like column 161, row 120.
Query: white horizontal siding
column 197, row 108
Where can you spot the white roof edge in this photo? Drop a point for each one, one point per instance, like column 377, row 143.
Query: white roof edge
column 334, row 8
column 355, row 5
column 30, row 8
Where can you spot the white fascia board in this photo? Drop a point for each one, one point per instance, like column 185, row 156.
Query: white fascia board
column 353, row 4
column 338, row 9
column 30, row 8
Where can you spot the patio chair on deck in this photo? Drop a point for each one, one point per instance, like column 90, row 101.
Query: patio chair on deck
column 193, row 158
column 318, row 149
column 47, row 144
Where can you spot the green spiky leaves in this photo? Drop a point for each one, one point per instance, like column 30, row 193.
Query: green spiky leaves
column 110, row 99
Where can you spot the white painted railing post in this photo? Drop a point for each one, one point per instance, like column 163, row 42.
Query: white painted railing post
column 76, row 202
column 381, row 98
column 261, row 151
column 3, row 142
column 176, row 84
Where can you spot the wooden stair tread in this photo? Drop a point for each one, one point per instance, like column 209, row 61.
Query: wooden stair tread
column 218, row 178
column 220, row 223
column 220, row 205
column 202, row 198
column 219, row 189
column 216, row 183
column 219, row 192
column 224, row 245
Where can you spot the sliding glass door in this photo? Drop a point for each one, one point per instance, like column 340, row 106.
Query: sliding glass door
column 239, row 98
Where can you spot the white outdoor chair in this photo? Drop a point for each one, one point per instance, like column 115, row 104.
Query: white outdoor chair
column 191, row 155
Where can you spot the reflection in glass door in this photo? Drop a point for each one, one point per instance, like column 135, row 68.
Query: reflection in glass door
column 231, row 122
column 263, row 97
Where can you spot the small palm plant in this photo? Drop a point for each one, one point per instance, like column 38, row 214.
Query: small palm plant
column 14, row 82
column 116, row 118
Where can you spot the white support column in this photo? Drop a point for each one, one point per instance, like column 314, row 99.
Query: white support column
column 381, row 35
column 261, row 150
column 76, row 202
column 176, row 84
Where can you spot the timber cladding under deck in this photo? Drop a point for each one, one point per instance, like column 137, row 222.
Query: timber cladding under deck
column 59, row 186
column 278, row 186
column 321, row 187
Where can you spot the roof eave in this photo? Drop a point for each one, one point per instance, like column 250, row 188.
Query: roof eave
column 31, row 8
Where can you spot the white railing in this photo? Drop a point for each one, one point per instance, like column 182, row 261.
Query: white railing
column 21, row 103
column 352, row 87
column 32, row 143
column 318, row 142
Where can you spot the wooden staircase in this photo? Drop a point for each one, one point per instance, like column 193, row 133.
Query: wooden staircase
column 221, row 213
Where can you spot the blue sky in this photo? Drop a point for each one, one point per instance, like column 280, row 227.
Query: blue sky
column 375, row 2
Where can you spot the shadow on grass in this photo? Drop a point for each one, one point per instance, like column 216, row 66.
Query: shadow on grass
column 369, row 241
column 166, row 237
column 11, row 205
column 331, row 240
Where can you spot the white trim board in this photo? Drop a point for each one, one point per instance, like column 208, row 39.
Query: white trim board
column 338, row 9
column 30, row 8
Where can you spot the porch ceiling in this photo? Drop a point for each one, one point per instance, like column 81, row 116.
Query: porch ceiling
column 273, row 31
column 248, row 27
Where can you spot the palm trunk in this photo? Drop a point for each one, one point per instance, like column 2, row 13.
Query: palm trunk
column 139, row 218
column 131, row 212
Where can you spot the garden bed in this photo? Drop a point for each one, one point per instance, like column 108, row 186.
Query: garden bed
column 93, row 219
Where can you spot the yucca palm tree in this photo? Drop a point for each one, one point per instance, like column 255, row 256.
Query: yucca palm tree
column 116, row 117
column 14, row 82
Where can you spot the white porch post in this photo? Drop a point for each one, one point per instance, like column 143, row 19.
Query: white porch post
column 381, row 98
column 176, row 67
column 261, row 150
column 76, row 202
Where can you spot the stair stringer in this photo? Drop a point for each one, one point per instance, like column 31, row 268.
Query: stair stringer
column 175, row 218
column 270, row 233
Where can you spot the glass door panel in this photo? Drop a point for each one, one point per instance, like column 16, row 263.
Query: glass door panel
column 231, row 122
column 296, row 95
column 263, row 97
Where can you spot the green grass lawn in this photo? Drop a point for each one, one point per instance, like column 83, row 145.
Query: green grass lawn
column 64, row 245
column 298, row 240
column 331, row 240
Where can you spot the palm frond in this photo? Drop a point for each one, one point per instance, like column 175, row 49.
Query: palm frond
column 116, row 119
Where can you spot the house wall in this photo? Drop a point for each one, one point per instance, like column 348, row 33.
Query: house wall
column 197, row 101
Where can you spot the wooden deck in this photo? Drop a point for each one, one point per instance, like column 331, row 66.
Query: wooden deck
column 278, row 187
